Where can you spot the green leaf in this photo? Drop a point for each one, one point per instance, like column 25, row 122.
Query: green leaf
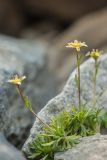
column 48, row 144
column 81, row 57
column 27, row 103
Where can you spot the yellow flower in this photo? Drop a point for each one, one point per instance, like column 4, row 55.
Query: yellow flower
column 77, row 45
column 16, row 80
column 95, row 54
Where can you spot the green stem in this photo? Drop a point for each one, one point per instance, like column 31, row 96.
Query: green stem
column 22, row 97
column 79, row 91
column 95, row 76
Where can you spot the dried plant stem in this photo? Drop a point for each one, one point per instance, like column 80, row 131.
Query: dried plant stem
column 79, row 91
column 23, row 99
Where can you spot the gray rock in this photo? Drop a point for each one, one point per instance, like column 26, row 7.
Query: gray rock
column 7, row 151
column 28, row 58
column 4, row 117
column 90, row 148
column 68, row 96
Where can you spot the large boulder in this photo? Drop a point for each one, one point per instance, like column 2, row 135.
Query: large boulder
column 28, row 58
column 7, row 151
column 90, row 148
column 69, row 96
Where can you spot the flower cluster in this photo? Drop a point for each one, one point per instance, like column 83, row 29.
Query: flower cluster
column 95, row 53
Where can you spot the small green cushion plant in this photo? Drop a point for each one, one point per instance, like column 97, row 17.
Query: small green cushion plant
column 66, row 129
column 57, row 138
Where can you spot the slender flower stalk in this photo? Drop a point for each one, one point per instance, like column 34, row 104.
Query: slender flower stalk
column 77, row 45
column 24, row 101
column 94, row 83
column 95, row 54
column 17, row 82
column 79, row 90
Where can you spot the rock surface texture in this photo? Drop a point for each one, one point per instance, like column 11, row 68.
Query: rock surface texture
column 24, row 58
column 68, row 96
column 7, row 151
column 90, row 148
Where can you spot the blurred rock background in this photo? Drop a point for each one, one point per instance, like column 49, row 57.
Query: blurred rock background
column 16, row 16
column 55, row 23
column 33, row 36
